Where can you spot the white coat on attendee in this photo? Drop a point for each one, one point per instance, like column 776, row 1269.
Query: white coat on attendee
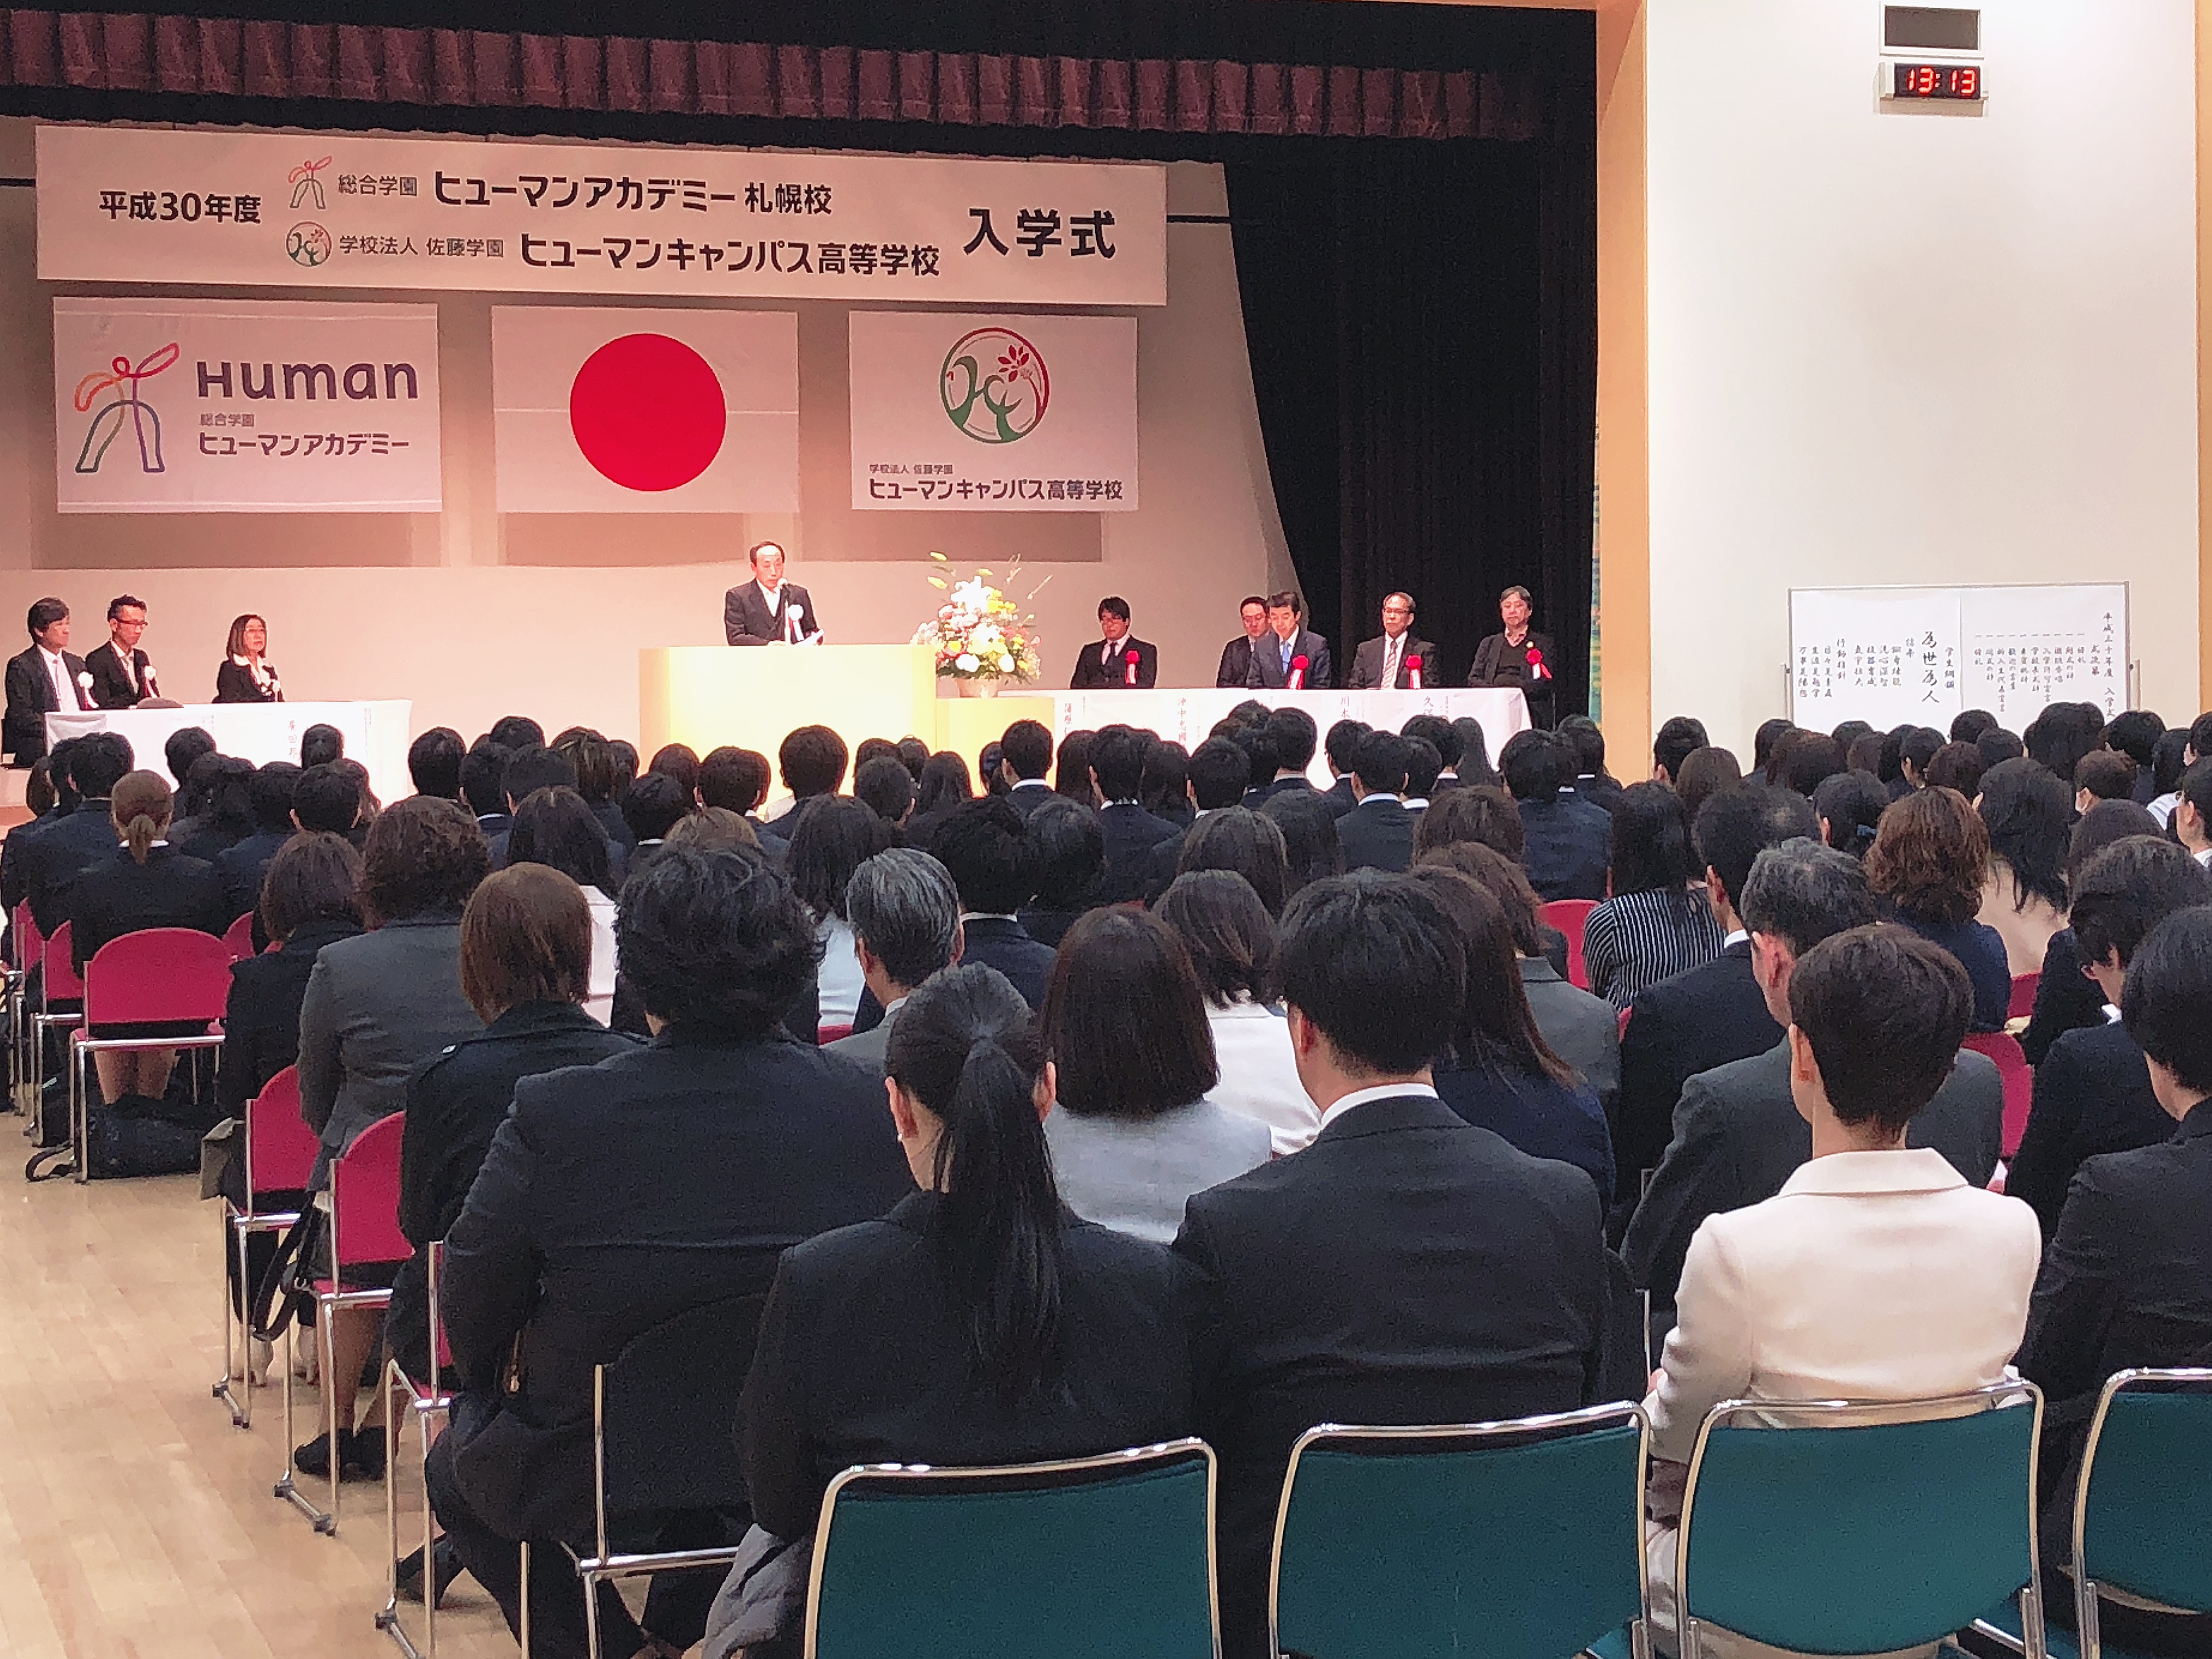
column 840, row 980
column 1259, row 1076
column 600, row 1003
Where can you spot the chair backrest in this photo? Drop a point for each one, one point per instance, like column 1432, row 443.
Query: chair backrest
column 1095, row 1558
column 1925, row 1518
column 1570, row 917
column 59, row 979
column 1515, row 1540
column 2013, row 1073
column 157, row 974
column 280, row 1147
column 238, row 938
column 365, row 1197
column 667, row 1412
column 2023, row 995
column 2138, row 1515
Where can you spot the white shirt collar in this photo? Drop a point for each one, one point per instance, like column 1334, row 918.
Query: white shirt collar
column 987, row 915
column 1382, row 1092
column 1031, row 783
column 2112, row 1015
column 1379, row 795
column 1740, row 936
column 1412, row 801
column 892, row 1007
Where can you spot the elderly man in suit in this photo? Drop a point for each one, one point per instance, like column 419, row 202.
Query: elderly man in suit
column 42, row 680
column 1237, row 656
column 1290, row 651
column 767, row 610
column 1394, row 660
column 905, row 914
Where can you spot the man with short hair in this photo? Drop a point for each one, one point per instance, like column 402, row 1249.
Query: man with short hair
column 433, row 762
column 72, row 845
column 655, row 805
column 1591, row 782
column 1119, row 658
column 1237, row 656
column 1290, row 651
column 1288, row 740
column 1737, row 1134
column 1443, row 737
column 242, row 865
column 813, row 762
column 1026, row 762
column 886, row 788
column 1569, row 851
column 183, row 746
column 122, row 677
column 735, row 780
column 1215, row 780
column 1338, row 748
column 905, row 914
column 984, row 846
column 1422, row 765
column 767, row 610
column 1378, row 833
column 1407, row 1267
column 43, row 679
column 1681, row 737
column 326, row 800
column 484, row 777
column 1394, row 660
column 2192, row 813
column 1117, row 771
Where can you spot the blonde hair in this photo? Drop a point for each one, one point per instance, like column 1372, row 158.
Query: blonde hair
column 141, row 805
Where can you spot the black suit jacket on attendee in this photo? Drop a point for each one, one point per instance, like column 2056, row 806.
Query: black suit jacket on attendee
column 31, row 699
column 113, row 685
column 1377, row 834
column 1029, row 794
column 125, row 897
column 1342, row 796
column 1406, row 1267
column 1260, row 796
column 1676, row 1028
column 2066, row 999
column 748, row 619
column 579, row 1235
column 16, row 859
column 1267, row 670
column 1569, row 851
column 1236, row 667
column 1000, row 942
column 861, row 1360
column 1047, row 927
column 1095, row 672
column 241, row 869
column 1738, row 1138
column 64, row 850
column 1132, row 834
column 1367, row 665
column 234, row 684
column 261, row 1019
column 2093, row 1095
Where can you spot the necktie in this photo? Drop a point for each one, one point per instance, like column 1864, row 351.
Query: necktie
column 1390, row 663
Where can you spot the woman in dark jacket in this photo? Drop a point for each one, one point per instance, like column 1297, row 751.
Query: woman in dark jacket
column 1929, row 861
column 245, row 674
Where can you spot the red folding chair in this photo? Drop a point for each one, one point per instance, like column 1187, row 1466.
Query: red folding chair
column 30, row 945
column 2019, row 1080
column 1570, row 916
column 2023, row 995
column 238, row 939
column 279, row 1157
column 57, row 983
column 427, row 1401
column 168, row 975
column 364, row 1231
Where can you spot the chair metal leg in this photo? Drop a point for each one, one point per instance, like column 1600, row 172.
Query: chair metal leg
column 287, row 1485
column 326, row 1335
column 2031, row 1623
column 240, row 1417
column 388, row 1621
column 80, row 1130
column 522, row 1599
column 590, row 1583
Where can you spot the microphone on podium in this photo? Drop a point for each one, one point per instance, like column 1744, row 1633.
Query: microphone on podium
column 1412, row 673
column 1298, row 680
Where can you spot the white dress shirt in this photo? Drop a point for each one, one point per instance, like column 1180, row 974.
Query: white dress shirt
column 1383, row 1091
column 1259, row 1076
column 57, row 670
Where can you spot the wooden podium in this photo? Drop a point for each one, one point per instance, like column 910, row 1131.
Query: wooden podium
column 751, row 695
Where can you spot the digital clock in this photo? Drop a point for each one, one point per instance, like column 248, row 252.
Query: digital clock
column 1960, row 82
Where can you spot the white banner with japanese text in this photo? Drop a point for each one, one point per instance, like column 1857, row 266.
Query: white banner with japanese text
column 1008, row 414
column 245, row 406
column 353, row 210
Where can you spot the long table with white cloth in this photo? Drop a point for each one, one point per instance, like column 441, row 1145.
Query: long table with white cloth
column 375, row 732
column 1185, row 716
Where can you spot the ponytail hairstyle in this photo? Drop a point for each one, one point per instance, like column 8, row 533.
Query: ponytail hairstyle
column 141, row 805
column 963, row 1047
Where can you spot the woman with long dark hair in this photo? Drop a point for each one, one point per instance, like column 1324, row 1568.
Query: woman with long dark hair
column 556, row 828
column 2028, row 812
column 1657, row 923
column 246, row 675
column 1851, row 805
column 835, row 836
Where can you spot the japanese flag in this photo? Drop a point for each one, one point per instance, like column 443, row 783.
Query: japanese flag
column 607, row 408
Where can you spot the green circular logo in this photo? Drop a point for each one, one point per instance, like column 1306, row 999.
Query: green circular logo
column 307, row 243
column 995, row 385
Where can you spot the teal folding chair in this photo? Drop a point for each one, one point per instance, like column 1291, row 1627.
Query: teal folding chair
column 1863, row 1526
column 1095, row 1558
column 2138, row 1507
column 1519, row 1540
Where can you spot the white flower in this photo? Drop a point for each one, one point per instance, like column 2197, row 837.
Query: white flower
column 966, row 662
column 1005, row 664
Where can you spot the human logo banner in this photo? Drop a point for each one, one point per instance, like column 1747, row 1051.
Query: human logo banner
column 994, row 413
column 354, row 211
column 245, row 406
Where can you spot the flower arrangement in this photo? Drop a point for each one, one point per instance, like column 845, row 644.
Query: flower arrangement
column 979, row 634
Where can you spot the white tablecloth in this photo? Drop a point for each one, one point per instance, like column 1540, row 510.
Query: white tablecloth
column 1186, row 716
column 375, row 732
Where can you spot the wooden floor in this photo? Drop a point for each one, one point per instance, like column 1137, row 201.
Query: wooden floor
column 135, row 1522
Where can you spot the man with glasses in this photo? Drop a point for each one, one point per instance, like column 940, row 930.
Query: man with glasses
column 1395, row 660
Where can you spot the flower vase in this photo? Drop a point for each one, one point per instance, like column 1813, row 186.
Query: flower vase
column 982, row 685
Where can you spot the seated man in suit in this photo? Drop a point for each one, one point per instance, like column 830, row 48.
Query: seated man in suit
column 1407, row 1267
column 1518, row 659
column 242, row 865
column 1681, row 737
column 905, row 915
column 122, row 677
column 1287, row 740
column 1237, row 656
column 812, row 761
column 1341, row 744
column 984, row 846
column 1378, row 833
column 1025, row 762
column 1738, row 1135
column 1591, row 782
column 1569, row 849
column 1119, row 658
column 2127, row 1280
column 484, row 792
column 1216, row 775
column 1709, row 1015
column 72, row 845
column 2093, row 1090
column 767, row 610
column 1877, row 1271
column 1117, row 770
column 1443, row 737
column 42, row 680
column 1289, row 652
column 1394, row 660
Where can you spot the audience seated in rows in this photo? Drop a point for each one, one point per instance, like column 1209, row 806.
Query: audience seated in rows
column 1929, row 863
column 82, row 838
column 243, row 866
column 1657, row 923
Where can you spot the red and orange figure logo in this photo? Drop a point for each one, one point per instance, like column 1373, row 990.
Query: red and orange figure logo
column 122, row 377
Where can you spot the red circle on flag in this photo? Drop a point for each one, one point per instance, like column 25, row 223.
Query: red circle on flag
column 647, row 412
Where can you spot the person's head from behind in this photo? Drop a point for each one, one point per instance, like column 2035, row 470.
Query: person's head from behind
column 1876, row 1017
column 2192, row 813
column 735, row 780
column 2107, row 822
column 1068, row 849
column 1704, row 773
column 38, row 792
column 2135, row 733
column 1117, row 763
column 1342, row 744
column 1504, row 880
column 433, row 762
column 596, row 766
column 1311, row 851
column 2104, row 774
column 1585, row 744
column 553, row 827
column 314, row 881
column 969, row 1088
column 2169, row 988
column 1999, row 745
column 528, row 770
column 1228, row 931
column 1967, row 728
column 1473, row 764
column 1124, row 1018
column 1812, row 760
column 884, row 787
column 97, row 764
column 835, row 837
column 905, row 914
column 1797, row 895
column 1736, row 825
column 1072, row 776
column 58, row 774
column 715, row 944
column 1930, row 857
column 812, row 761
column 1026, row 749
column 1958, row 766
column 321, row 745
column 986, row 847
column 526, row 937
column 1916, row 753
column 2200, row 739
column 1496, row 1028
column 943, row 784
column 1480, row 812
column 326, row 800
column 184, row 745
column 517, row 732
column 1423, row 767
column 2169, row 758
column 424, row 858
column 1379, row 764
column 1166, row 780
column 1849, row 807
column 870, row 749
column 1651, row 850
column 2122, row 892
column 1236, row 838
column 714, row 830
column 269, row 795
column 483, row 778
column 1291, row 738
column 1375, row 977
column 678, row 761
column 1219, row 775
column 1440, row 734
column 2025, row 810
column 1764, row 742
column 656, row 804
column 141, row 807
column 1533, row 766
column 1678, row 738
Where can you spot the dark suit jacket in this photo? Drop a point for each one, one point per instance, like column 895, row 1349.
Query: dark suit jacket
column 113, row 686
column 1544, row 1119
column 2066, row 999
column 1506, row 667
column 1738, row 1138
column 62, row 852
column 1235, row 663
column 1092, row 675
column 1342, row 796
column 863, row 1359
column 1132, row 834
column 1569, row 847
column 123, row 896
column 1027, row 796
column 1267, row 670
column 2091, row 1095
column 576, row 1237
column 242, row 866
column 1377, row 834
column 1367, row 665
column 261, row 1019
column 1048, row 927
column 1406, row 1267
column 30, row 700
column 16, row 859
column 748, row 619
column 1260, row 796
column 1676, row 1028
column 236, row 684
column 997, row 943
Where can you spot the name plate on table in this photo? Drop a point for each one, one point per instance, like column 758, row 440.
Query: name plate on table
column 375, row 734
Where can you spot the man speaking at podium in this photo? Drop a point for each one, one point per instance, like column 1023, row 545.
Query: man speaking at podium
column 767, row 610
